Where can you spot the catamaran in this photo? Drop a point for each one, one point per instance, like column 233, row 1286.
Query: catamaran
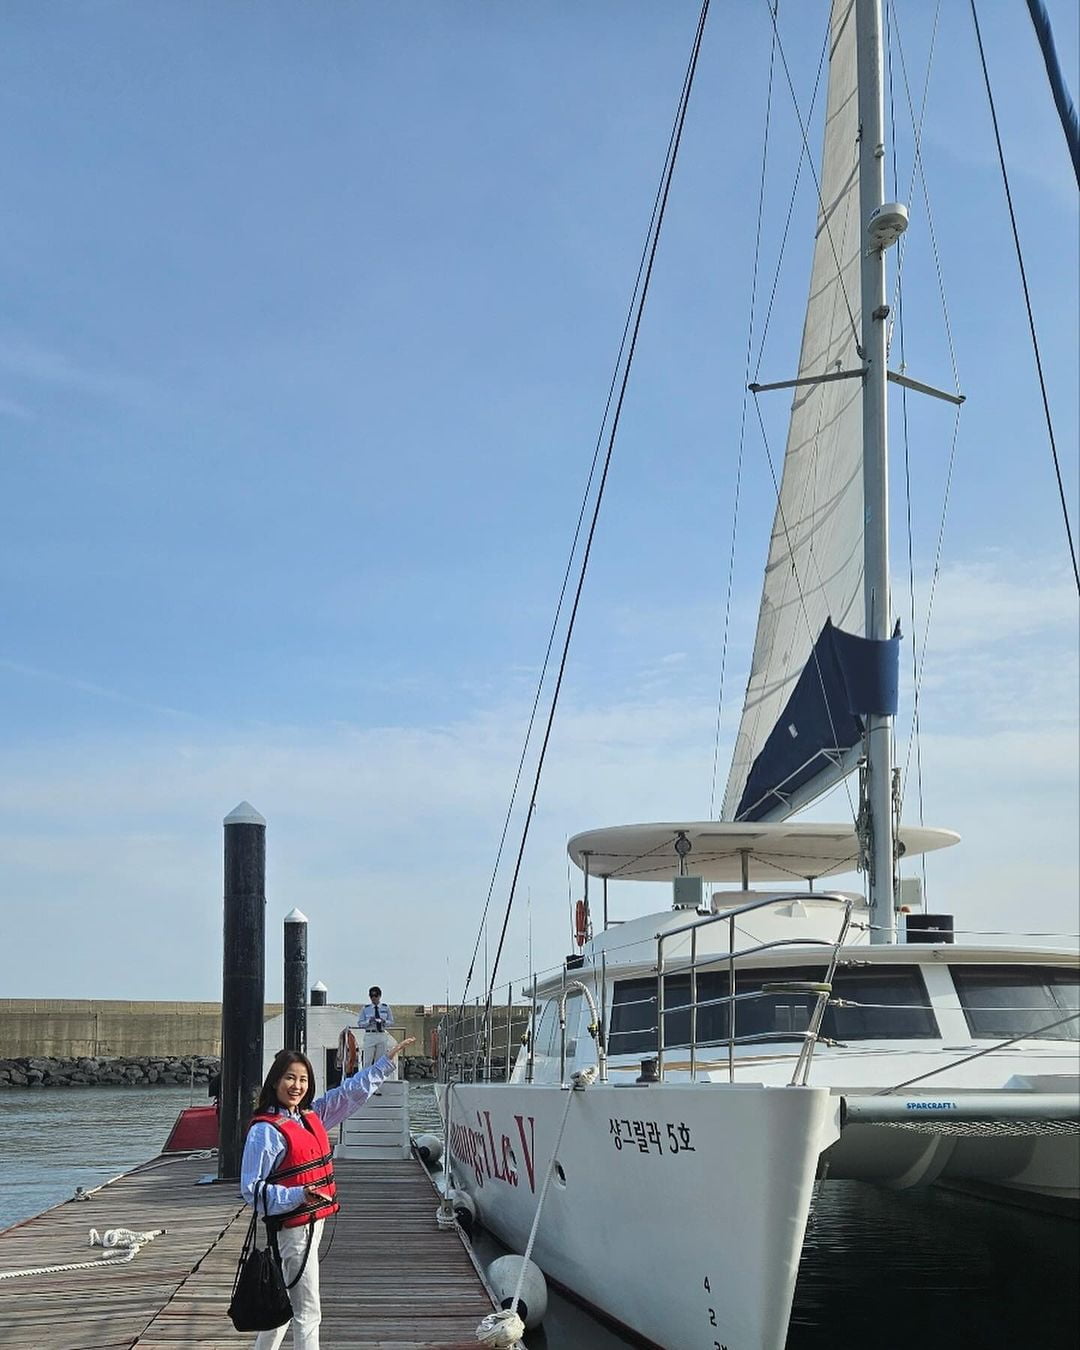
column 691, row 1075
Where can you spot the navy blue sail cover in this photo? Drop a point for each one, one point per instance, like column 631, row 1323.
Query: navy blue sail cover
column 846, row 678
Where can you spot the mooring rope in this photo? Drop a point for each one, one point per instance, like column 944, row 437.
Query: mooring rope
column 505, row 1327
column 125, row 1239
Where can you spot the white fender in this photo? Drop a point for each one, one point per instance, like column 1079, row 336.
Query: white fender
column 429, row 1147
column 503, row 1275
column 464, row 1208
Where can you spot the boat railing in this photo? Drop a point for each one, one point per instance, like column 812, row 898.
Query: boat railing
column 729, row 960
column 478, row 1041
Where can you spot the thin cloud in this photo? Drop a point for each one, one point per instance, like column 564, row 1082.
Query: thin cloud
column 88, row 687
column 9, row 408
column 23, row 359
column 1000, row 598
column 405, row 820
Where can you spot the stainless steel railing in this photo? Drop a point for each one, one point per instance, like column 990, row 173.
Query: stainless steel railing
column 470, row 1036
column 820, row 990
column 479, row 1043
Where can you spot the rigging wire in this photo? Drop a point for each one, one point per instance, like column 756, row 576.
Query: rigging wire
column 547, row 654
column 742, row 419
column 935, row 577
column 918, row 174
column 804, row 158
column 1027, row 296
column 826, row 214
column 894, row 40
column 802, row 599
column 638, row 308
column 807, row 157
column 619, row 360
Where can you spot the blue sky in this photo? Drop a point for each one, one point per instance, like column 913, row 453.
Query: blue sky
column 309, row 317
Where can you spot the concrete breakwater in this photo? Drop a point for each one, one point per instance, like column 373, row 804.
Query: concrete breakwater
column 110, row 1029
column 59, row 1028
column 120, row 1071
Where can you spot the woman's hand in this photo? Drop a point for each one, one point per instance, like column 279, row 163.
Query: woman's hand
column 393, row 1054
column 314, row 1196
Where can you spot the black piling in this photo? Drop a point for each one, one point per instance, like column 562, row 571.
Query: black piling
column 296, row 981
column 318, row 995
column 242, row 981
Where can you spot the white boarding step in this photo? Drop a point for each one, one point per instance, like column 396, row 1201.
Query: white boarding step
column 379, row 1131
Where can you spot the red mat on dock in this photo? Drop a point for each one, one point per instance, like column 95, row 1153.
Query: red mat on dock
column 196, row 1127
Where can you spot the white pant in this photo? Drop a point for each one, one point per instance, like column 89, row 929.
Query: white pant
column 304, row 1295
column 377, row 1044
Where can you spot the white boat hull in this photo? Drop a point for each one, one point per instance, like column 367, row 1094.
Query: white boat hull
column 678, row 1210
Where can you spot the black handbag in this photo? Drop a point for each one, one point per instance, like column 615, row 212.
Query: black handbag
column 260, row 1297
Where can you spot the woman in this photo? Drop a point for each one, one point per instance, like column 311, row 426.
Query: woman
column 287, row 1159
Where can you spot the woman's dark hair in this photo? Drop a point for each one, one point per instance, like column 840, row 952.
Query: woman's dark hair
column 282, row 1060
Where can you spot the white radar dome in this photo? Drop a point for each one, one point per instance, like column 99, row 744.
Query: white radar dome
column 887, row 224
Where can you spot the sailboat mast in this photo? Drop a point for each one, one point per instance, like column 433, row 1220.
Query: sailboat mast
column 880, row 850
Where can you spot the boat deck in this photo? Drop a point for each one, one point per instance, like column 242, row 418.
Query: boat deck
column 391, row 1280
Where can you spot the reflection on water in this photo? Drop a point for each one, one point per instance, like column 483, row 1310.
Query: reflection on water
column 880, row 1270
column 931, row 1267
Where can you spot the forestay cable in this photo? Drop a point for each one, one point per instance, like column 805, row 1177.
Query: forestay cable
column 621, row 363
column 639, row 309
column 1027, row 297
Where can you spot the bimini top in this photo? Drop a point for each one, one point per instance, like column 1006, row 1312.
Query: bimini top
column 780, row 852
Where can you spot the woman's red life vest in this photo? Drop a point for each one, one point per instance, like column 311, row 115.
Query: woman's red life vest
column 307, row 1161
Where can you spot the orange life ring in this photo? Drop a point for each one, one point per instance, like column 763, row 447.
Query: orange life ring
column 581, row 922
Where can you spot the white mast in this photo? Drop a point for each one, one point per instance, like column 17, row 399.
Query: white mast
column 880, row 849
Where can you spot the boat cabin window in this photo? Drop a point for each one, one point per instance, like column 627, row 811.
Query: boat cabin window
column 547, row 1022
column 893, row 1006
column 548, row 1031
column 1004, row 1001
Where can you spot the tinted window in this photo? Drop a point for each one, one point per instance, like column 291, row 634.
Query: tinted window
column 632, row 1025
column 546, row 1028
column 549, row 1032
column 1005, row 1001
column 893, row 1003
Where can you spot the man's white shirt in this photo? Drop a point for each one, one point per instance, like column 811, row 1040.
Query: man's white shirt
column 370, row 1011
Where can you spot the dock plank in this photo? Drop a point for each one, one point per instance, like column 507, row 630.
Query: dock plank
column 415, row 1288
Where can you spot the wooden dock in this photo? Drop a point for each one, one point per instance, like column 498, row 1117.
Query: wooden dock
column 391, row 1280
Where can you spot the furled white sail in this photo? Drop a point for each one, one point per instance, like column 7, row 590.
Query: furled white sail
column 815, row 564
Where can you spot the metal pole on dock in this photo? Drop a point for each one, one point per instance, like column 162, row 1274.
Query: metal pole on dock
column 296, row 981
column 243, row 992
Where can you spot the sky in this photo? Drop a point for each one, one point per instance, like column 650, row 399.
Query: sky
column 309, row 316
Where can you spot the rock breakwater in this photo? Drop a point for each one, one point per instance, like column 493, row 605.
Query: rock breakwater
column 139, row 1071
column 417, row 1067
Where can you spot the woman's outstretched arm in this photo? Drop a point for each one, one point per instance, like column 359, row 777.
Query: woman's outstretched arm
column 334, row 1106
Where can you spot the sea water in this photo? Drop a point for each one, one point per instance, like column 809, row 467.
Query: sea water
column 880, row 1269
column 54, row 1139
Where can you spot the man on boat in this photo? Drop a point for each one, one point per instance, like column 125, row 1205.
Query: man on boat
column 374, row 1021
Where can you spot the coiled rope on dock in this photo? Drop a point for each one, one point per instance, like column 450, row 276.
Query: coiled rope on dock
column 122, row 1245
